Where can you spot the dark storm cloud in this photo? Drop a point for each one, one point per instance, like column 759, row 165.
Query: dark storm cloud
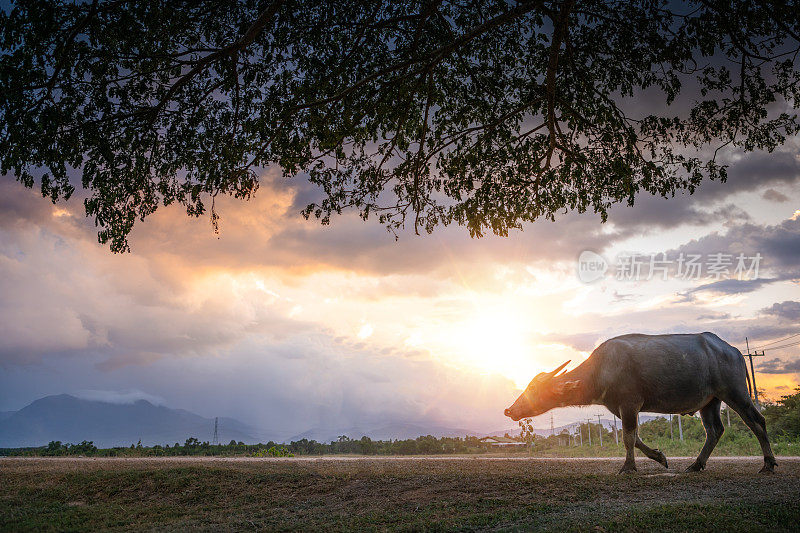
column 788, row 310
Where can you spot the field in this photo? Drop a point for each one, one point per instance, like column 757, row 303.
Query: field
column 442, row 493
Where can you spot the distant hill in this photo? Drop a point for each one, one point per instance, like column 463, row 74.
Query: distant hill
column 399, row 431
column 5, row 414
column 70, row 419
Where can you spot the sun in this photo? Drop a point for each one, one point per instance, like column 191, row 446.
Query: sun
column 497, row 341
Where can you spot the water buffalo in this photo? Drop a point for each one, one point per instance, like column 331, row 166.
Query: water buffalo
column 675, row 374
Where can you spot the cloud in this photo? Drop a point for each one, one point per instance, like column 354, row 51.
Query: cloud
column 778, row 245
column 654, row 212
column 787, row 310
column 747, row 172
column 289, row 386
column 69, row 296
column 678, row 316
column 730, row 286
column 239, row 324
column 119, row 397
column 774, row 196
column 582, row 342
column 714, row 316
column 268, row 233
column 778, row 366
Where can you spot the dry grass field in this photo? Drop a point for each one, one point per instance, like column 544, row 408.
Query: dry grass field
column 443, row 493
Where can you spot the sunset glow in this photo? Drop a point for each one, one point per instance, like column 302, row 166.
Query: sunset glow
column 443, row 327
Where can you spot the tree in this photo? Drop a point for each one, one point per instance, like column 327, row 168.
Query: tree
column 526, row 432
column 486, row 113
column 783, row 416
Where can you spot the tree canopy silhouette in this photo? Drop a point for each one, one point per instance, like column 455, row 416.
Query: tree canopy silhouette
column 485, row 113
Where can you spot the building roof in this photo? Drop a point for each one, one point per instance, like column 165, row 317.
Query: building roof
column 500, row 440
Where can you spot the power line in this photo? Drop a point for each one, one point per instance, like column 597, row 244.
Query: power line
column 776, row 342
column 785, row 345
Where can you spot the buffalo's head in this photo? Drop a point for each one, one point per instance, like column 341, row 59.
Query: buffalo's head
column 543, row 393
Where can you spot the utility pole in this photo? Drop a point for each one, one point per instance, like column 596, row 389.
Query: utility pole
column 752, row 373
column 616, row 435
column 670, row 426
column 580, row 432
column 215, row 440
column 552, row 430
column 600, row 428
column 680, row 427
column 589, row 429
column 749, row 390
column 728, row 412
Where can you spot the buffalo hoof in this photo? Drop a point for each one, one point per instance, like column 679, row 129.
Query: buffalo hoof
column 661, row 458
column 769, row 467
column 627, row 468
column 696, row 466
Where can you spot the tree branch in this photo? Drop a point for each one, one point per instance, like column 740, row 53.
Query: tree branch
column 246, row 40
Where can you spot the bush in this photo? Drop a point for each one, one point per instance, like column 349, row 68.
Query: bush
column 274, row 451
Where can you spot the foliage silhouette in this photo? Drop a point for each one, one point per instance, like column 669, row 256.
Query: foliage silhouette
column 485, row 114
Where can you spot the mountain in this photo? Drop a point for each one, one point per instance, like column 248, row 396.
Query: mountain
column 399, row 431
column 70, row 419
column 6, row 414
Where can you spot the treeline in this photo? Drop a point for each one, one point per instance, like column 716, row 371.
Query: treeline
column 425, row 445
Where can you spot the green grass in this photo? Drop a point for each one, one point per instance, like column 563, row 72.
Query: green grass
column 734, row 442
column 462, row 494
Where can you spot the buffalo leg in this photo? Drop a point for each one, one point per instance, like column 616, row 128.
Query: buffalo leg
column 655, row 455
column 755, row 421
column 629, row 437
column 714, row 428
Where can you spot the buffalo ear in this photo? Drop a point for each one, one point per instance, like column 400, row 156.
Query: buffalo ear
column 568, row 386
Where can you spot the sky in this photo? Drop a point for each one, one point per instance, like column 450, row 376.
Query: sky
column 289, row 325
